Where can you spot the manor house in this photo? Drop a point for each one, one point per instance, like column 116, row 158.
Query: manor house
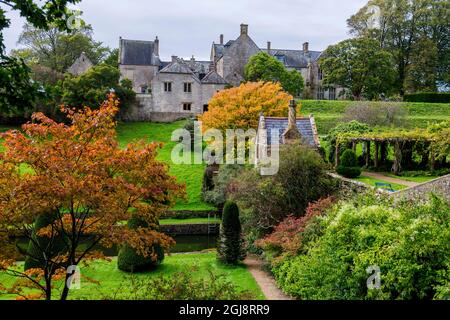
column 171, row 90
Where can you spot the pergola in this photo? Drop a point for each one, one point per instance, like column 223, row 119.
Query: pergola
column 403, row 143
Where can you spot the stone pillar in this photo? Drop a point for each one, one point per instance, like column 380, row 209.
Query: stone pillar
column 377, row 146
column 367, row 154
column 337, row 157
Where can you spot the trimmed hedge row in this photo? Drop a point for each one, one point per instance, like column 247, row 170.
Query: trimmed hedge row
column 431, row 97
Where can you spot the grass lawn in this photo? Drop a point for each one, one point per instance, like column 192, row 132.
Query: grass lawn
column 371, row 181
column 111, row 279
column 189, row 221
column 191, row 175
column 418, row 179
column 329, row 113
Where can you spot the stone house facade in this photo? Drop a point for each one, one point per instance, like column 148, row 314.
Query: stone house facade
column 166, row 91
column 171, row 90
column 81, row 65
column 231, row 57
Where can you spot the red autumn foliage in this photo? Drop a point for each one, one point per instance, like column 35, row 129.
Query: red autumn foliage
column 79, row 174
column 287, row 236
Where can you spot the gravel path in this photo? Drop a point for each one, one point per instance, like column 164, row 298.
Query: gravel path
column 264, row 279
column 379, row 176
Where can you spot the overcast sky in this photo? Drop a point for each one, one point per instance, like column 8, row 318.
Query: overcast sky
column 188, row 27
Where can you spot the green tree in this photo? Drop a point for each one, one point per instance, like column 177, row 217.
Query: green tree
column 360, row 66
column 17, row 91
column 400, row 26
column 91, row 88
column 230, row 248
column 263, row 67
column 54, row 51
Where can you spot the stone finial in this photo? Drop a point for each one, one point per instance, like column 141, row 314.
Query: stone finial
column 244, row 28
column 156, row 47
column 221, row 39
column 306, row 47
column 292, row 133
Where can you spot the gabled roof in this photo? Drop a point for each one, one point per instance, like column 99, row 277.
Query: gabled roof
column 137, row 52
column 213, row 78
column 81, row 65
column 294, row 58
column 306, row 126
column 177, row 66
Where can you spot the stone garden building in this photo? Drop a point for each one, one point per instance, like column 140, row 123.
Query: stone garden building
column 170, row 90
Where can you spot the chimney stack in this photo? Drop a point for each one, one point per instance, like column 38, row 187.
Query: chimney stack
column 292, row 133
column 221, row 39
column 292, row 114
column 174, row 58
column 269, row 46
column 244, row 29
column 156, row 47
column 306, row 47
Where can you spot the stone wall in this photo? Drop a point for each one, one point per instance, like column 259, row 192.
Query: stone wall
column 139, row 75
column 348, row 187
column 161, row 106
column 191, row 229
column 440, row 186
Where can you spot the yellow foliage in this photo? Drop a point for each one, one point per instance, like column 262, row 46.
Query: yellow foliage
column 240, row 107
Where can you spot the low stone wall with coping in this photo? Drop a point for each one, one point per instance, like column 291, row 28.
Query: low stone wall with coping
column 440, row 186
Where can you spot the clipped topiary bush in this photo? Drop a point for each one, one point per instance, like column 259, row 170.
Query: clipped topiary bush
column 40, row 246
column 349, row 167
column 230, row 248
column 131, row 261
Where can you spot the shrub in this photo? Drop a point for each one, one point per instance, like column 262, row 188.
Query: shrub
column 377, row 114
column 131, row 261
column 230, row 248
column 180, row 286
column 221, row 183
column 407, row 241
column 42, row 245
column 349, row 165
column 432, row 97
column 266, row 201
column 293, row 234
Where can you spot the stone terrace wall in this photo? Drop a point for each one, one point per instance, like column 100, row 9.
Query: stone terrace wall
column 439, row 186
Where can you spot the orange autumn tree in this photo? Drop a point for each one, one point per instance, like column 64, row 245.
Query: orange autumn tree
column 79, row 175
column 240, row 107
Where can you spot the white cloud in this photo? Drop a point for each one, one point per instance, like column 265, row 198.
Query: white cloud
column 189, row 27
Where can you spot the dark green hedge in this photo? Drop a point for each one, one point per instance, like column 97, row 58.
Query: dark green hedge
column 129, row 260
column 432, row 97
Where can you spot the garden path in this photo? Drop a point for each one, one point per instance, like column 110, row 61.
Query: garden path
column 382, row 177
column 265, row 281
